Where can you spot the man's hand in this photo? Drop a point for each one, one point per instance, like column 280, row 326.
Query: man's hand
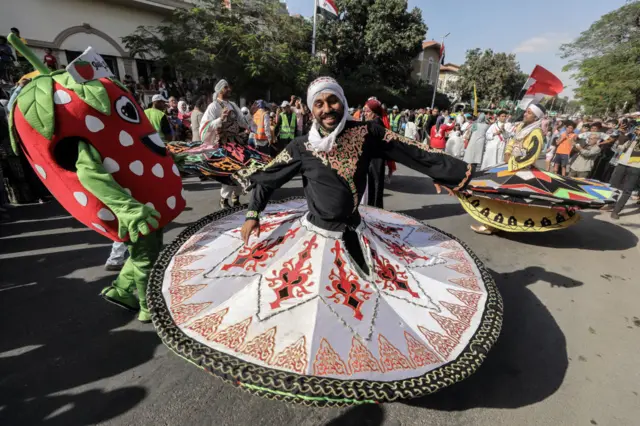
column 137, row 221
column 439, row 189
column 249, row 227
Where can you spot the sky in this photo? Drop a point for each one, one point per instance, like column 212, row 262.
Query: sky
column 533, row 30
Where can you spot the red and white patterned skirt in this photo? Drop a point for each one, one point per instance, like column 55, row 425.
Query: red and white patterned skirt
column 290, row 316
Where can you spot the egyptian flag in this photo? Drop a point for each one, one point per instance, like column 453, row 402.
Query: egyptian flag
column 541, row 82
column 442, row 54
column 328, row 9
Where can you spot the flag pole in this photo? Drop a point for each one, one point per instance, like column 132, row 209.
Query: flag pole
column 435, row 84
column 315, row 20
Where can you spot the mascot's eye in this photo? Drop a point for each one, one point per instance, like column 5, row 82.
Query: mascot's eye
column 127, row 110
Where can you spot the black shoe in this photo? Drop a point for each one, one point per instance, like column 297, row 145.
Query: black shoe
column 224, row 203
column 113, row 267
column 614, row 216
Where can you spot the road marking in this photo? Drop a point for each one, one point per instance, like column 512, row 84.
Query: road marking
column 14, row 287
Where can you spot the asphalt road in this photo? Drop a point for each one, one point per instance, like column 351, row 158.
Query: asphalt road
column 567, row 355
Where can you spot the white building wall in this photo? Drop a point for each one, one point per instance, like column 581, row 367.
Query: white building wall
column 41, row 22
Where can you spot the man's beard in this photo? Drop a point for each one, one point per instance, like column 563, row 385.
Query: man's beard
column 337, row 118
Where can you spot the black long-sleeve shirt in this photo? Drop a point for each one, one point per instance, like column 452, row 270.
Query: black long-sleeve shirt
column 334, row 181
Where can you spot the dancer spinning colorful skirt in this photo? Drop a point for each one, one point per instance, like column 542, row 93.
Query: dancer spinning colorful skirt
column 224, row 126
column 324, row 301
column 518, row 197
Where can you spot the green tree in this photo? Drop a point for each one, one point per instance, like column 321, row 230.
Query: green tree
column 254, row 45
column 605, row 60
column 497, row 76
column 373, row 43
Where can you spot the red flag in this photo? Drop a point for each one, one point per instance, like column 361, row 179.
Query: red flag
column 328, row 9
column 543, row 81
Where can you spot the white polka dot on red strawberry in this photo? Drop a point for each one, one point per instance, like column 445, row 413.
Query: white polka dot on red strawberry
column 94, row 124
column 125, row 138
column 99, row 227
column 41, row 171
column 156, row 139
column 110, row 165
column 127, row 190
column 106, row 215
column 81, row 198
column 175, row 170
column 158, row 171
column 171, row 202
column 60, row 97
column 182, row 193
column 150, row 204
column 137, row 168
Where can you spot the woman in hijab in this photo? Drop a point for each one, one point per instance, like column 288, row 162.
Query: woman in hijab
column 477, row 142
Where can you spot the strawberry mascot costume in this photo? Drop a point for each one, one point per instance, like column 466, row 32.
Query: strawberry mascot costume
column 94, row 149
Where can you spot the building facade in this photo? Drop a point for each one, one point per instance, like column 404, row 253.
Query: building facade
column 448, row 76
column 426, row 63
column 68, row 27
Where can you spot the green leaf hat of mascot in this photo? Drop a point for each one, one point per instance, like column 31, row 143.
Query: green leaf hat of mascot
column 97, row 153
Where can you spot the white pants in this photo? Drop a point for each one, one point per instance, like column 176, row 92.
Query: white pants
column 228, row 191
column 118, row 254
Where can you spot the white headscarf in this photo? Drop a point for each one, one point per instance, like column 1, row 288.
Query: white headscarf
column 524, row 131
column 221, row 85
column 316, row 88
column 182, row 107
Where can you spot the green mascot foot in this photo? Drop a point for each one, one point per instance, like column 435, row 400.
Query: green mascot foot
column 120, row 298
column 144, row 316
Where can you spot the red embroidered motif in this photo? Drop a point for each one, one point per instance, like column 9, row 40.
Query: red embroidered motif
column 268, row 226
column 469, row 299
column 463, row 268
column 454, row 328
column 390, row 277
column 456, row 255
column 463, row 313
column 192, row 244
column 470, row 283
column 390, row 357
column 184, row 260
column 282, row 213
column 183, row 313
column 181, row 275
column 361, row 359
column 450, row 245
column 293, row 357
column 328, row 361
column 420, row 354
column 250, row 257
column 181, row 293
column 345, row 285
column 442, row 344
column 391, row 231
column 207, row 326
column 291, row 281
column 401, row 250
column 233, row 336
column 261, row 347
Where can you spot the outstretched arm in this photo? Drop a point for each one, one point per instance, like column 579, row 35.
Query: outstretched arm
column 264, row 181
column 442, row 168
column 133, row 217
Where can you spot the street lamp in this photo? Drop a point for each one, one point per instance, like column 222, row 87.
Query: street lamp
column 435, row 83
